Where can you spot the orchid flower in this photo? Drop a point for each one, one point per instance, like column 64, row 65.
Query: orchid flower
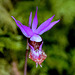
column 33, row 33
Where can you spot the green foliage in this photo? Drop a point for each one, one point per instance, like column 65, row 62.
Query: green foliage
column 64, row 8
column 57, row 46
column 5, row 68
column 13, row 42
column 1, row 46
column 6, row 23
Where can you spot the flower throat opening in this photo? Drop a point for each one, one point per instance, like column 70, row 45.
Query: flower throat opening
column 35, row 45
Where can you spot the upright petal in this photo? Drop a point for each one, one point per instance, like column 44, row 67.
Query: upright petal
column 44, row 25
column 48, row 27
column 25, row 30
column 30, row 19
column 35, row 21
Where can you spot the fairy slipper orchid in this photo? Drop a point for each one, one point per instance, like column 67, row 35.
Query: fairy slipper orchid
column 33, row 33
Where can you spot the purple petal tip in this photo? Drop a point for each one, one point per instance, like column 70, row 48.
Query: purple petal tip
column 53, row 15
column 31, row 13
column 13, row 18
column 58, row 20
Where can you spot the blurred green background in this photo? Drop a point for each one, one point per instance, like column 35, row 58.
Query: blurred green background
column 59, row 42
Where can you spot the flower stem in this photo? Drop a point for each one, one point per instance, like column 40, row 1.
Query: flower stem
column 25, row 69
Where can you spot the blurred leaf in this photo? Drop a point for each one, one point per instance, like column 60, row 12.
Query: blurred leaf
column 65, row 9
column 6, row 22
column 12, row 44
column 4, row 67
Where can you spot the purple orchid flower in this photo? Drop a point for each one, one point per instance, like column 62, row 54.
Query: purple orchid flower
column 35, row 42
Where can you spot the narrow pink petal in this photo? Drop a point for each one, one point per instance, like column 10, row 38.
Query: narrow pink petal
column 40, row 48
column 48, row 27
column 30, row 19
column 44, row 25
column 35, row 21
column 25, row 30
column 31, row 47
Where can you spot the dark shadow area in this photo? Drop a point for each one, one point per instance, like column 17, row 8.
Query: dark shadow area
column 53, row 72
column 71, row 38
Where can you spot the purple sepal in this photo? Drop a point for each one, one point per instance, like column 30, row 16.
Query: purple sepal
column 35, row 21
column 48, row 27
column 30, row 19
column 44, row 25
column 25, row 30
